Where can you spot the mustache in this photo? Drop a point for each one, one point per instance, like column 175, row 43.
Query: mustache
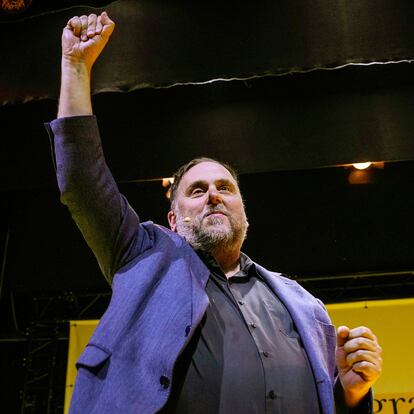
column 216, row 209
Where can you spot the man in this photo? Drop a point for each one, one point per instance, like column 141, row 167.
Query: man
column 194, row 326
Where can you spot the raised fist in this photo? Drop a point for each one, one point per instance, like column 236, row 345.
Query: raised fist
column 84, row 38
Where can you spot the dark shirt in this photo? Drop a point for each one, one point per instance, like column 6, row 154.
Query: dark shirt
column 245, row 356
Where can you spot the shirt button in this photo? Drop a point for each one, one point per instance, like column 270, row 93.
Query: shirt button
column 272, row 395
column 265, row 354
column 241, row 302
column 253, row 325
column 164, row 381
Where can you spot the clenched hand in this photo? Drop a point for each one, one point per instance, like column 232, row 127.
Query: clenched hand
column 358, row 357
column 84, row 38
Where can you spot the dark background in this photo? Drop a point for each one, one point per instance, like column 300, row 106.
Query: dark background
column 290, row 93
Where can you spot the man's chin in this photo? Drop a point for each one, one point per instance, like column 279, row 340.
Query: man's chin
column 216, row 220
column 217, row 228
column 217, row 235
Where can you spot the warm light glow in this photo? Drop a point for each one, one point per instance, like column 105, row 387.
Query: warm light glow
column 166, row 182
column 362, row 165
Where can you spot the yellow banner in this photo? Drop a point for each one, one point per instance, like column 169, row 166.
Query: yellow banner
column 391, row 320
column 79, row 334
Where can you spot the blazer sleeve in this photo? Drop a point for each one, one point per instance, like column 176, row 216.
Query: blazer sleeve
column 364, row 407
column 108, row 223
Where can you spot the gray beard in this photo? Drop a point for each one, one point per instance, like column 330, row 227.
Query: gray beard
column 211, row 239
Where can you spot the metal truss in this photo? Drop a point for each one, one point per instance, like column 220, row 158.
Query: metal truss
column 43, row 391
column 360, row 286
column 46, row 338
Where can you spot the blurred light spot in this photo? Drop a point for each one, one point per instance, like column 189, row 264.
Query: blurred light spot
column 166, row 182
column 362, row 165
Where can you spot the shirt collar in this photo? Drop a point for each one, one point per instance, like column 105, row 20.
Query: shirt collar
column 247, row 267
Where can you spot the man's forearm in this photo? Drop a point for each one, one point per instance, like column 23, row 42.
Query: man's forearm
column 75, row 91
column 83, row 40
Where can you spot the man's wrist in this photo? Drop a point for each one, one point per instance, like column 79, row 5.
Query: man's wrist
column 75, row 89
column 352, row 399
column 74, row 67
column 364, row 405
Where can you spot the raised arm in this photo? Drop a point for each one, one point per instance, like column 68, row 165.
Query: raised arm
column 83, row 40
column 108, row 223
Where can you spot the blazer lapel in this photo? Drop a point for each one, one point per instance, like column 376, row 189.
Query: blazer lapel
column 313, row 332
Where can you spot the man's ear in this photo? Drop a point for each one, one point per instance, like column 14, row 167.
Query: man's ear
column 172, row 220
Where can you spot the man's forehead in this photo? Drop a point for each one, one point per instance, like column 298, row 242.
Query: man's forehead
column 206, row 171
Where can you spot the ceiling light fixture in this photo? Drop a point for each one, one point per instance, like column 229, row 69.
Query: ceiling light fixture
column 362, row 165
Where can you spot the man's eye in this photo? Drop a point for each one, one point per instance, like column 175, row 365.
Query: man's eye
column 197, row 191
column 224, row 188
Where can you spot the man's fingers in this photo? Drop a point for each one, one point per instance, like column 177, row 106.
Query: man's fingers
column 91, row 29
column 344, row 334
column 355, row 344
column 363, row 355
column 361, row 351
column 370, row 371
column 84, row 37
column 84, row 23
column 358, row 358
column 368, row 368
column 74, row 24
column 361, row 331
column 98, row 28
column 87, row 27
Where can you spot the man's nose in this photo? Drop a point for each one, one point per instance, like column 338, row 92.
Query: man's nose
column 214, row 196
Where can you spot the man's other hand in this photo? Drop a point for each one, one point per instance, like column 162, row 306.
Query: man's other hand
column 359, row 362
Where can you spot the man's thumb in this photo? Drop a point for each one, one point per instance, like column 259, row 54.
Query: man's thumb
column 342, row 334
column 108, row 25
